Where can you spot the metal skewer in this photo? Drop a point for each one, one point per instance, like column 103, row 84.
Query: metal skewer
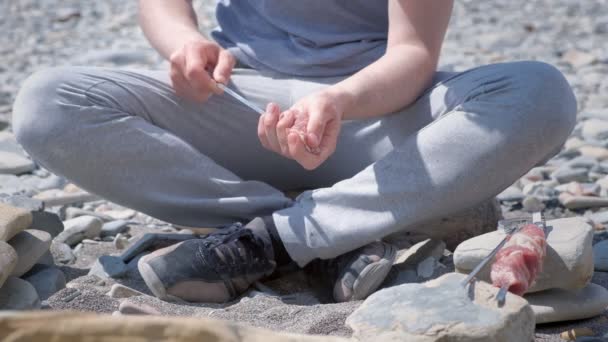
column 260, row 111
column 241, row 99
column 538, row 219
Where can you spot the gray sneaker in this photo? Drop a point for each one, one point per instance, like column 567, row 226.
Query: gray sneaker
column 216, row 268
column 359, row 273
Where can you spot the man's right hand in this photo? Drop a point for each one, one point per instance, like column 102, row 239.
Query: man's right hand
column 197, row 66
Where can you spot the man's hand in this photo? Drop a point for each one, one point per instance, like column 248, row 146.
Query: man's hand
column 307, row 132
column 192, row 64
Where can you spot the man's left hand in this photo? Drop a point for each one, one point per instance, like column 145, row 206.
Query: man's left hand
column 307, row 132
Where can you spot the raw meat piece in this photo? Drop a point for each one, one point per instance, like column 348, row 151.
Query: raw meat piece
column 519, row 261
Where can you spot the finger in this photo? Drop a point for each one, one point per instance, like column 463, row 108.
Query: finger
column 330, row 139
column 180, row 84
column 314, row 129
column 286, row 121
column 224, row 67
column 196, row 70
column 298, row 151
column 262, row 133
column 271, row 117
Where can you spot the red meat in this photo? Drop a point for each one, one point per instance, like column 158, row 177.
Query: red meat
column 519, row 261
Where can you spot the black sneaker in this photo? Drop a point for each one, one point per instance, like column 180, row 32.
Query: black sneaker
column 216, row 268
column 359, row 273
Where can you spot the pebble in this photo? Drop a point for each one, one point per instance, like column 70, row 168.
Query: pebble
column 47, row 280
column 62, row 253
column 511, row 194
column 13, row 160
column 441, row 310
column 8, row 260
column 568, row 263
column 575, row 333
column 73, row 212
column 582, row 202
column 578, row 58
column 130, row 308
column 30, row 245
column 599, row 217
column 120, row 242
column 13, row 220
column 566, row 175
column 48, row 222
column 532, row 204
column 600, row 256
column 595, row 129
column 114, row 227
column 46, row 259
column 80, row 228
column 23, row 202
column 601, row 153
column 18, row 294
column 558, row 305
column 120, row 291
column 108, row 266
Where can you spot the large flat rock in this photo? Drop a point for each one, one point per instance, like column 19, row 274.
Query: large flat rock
column 563, row 305
column 568, row 264
column 13, row 220
column 8, row 260
column 30, row 245
column 442, row 310
column 76, row 326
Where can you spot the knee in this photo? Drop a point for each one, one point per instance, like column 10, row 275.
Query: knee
column 35, row 111
column 546, row 97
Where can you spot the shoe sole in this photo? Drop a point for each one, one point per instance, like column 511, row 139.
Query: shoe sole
column 153, row 281
column 374, row 274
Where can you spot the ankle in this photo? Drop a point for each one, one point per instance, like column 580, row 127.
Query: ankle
column 266, row 229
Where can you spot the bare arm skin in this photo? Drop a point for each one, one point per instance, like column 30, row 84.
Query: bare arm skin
column 172, row 29
column 416, row 33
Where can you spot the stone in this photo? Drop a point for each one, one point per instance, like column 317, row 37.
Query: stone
column 62, row 253
column 458, row 227
column 114, row 227
column 118, row 214
column 557, row 305
column 599, row 217
column 13, row 220
column 130, row 308
column 532, row 204
column 595, row 129
column 46, row 259
column 73, row 212
column 442, row 310
column 120, row 291
column 80, row 228
column 600, row 256
column 582, row 162
column 30, row 245
column 109, row 266
column 568, row 263
column 8, row 260
column 120, row 241
column 575, row 333
column 511, row 194
column 566, row 175
column 24, row 202
column 48, row 222
column 582, row 202
column 580, row 189
column 13, row 163
column 422, row 250
column 426, row 267
column 47, row 280
column 573, row 143
column 18, row 294
column 601, row 153
column 577, row 58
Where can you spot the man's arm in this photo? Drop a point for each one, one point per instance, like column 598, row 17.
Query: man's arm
column 171, row 27
column 416, row 33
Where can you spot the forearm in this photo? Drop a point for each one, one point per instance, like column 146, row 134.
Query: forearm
column 168, row 24
column 391, row 83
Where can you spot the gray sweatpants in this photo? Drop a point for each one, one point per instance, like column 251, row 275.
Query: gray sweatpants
column 126, row 136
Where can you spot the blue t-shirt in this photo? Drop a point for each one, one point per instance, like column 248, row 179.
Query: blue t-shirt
column 303, row 37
